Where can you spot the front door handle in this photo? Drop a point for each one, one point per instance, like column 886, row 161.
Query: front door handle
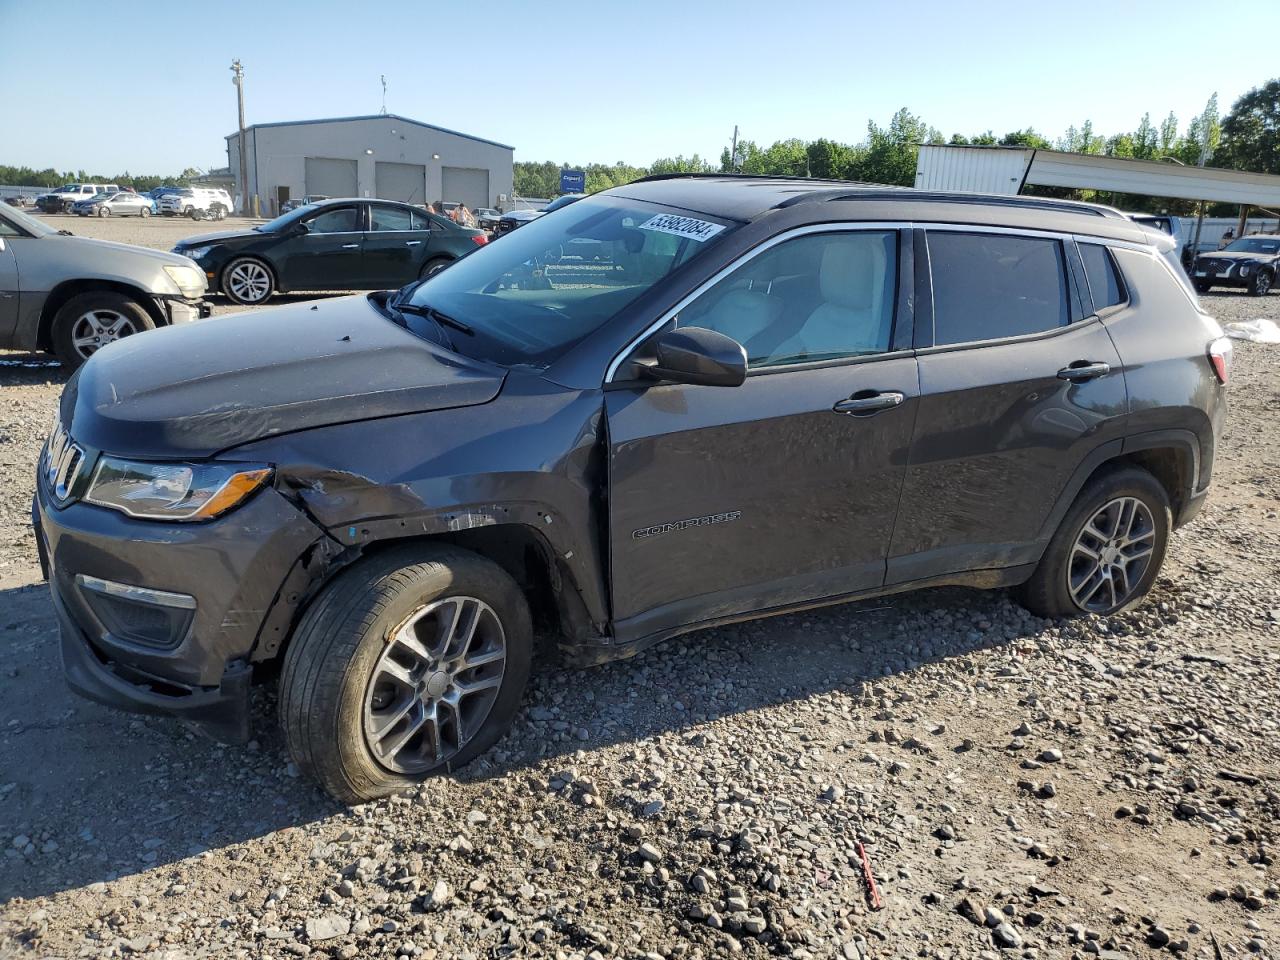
column 351, row 246
column 413, row 243
column 1083, row 370
column 868, row 403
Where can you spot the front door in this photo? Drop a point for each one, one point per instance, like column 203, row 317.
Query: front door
column 327, row 256
column 727, row 500
column 395, row 245
column 1020, row 385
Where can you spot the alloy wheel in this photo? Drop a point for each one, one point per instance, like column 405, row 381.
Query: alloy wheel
column 94, row 330
column 434, row 684
column 1111, row 555
column 249, row 281
column 1263, row 284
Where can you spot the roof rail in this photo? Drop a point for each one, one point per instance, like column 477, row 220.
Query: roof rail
column 737, row 176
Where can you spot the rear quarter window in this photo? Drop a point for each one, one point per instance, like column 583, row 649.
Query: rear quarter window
column 989, row 286
column 1104, row 279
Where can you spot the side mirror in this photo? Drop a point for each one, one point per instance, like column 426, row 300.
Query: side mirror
column 301, row 227
column 698, row 356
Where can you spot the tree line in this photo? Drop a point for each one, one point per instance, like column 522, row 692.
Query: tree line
column 1248, row 138
column 49, row 177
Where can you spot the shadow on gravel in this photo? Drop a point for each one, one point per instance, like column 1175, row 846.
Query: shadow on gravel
column 100, row 794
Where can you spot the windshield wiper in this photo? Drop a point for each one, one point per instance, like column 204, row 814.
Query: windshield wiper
column 431, row 313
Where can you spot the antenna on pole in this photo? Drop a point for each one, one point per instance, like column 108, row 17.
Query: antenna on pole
column 384, row 94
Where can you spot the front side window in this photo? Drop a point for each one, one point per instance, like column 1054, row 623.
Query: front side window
column 340, row 220
column 534, row 293
column 389, row 219
column 988, row 286
column 1100, row 271
column 818, row 297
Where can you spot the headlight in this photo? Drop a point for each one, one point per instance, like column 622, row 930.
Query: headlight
column 173, row 491
column 188, row 280
column 195, row 253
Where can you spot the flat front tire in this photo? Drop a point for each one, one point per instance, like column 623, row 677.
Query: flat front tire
column 410, row 663
column 1108, row 550
column 1260, row 284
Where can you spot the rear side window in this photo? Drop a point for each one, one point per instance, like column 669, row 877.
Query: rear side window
column 987, row 286
column 1104, row 279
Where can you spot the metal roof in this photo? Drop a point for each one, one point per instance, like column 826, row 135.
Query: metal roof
column 373, row 116
column 1007, row 169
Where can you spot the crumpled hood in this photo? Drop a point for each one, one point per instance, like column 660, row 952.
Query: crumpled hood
column 198, row 389
column 90, row 244
column 203, row 239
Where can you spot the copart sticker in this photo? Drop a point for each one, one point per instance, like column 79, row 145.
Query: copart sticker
column 644, row 533
column 699, row 230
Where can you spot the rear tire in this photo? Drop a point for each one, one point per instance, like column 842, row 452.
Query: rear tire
column 367, row 715
column 432, row 267
column 1077, row 559
column 1260, row 283
column 88, row 322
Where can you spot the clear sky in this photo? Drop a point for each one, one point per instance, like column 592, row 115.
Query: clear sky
column 145, row 87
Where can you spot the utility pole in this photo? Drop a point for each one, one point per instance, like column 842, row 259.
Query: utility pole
column 384, row 94
column 238, row 79
column 733, row 151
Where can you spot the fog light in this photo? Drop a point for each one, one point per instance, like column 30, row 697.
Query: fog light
column 150, row 618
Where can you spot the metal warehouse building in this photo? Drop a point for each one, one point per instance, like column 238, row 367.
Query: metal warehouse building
column 383, row 155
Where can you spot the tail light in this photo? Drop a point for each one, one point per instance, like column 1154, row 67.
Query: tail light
column 480, row 239
column 1220, row 358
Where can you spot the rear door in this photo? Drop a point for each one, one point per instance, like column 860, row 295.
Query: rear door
column 725, row 500
column 9, row 292
column 395, row 245
column 1020, row 383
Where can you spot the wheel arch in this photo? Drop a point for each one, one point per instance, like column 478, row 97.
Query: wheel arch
column 64, row 291
column 521, row 550
column 1171, row 456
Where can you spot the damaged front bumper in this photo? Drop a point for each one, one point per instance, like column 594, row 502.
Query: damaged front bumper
column 167, row 617
column 183, row 310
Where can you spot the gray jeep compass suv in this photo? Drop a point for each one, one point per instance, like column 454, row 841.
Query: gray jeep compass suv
column 674, row 404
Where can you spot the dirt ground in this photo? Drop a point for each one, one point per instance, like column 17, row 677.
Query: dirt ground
column 1020, row 787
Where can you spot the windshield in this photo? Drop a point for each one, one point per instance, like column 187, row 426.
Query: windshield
column 282, row 221
column 37, row 228
column 534, row 293
column 1255, row 245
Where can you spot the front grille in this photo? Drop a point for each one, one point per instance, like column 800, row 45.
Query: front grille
column 62, row 464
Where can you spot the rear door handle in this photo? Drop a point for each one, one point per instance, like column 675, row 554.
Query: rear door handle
column 413, row 243
column 1083, row 370
column 351, row 246
column 873, row 403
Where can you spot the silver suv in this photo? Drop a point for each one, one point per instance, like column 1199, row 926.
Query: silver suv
column 72, row 295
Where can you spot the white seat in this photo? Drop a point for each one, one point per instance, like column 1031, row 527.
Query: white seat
column 852, row 318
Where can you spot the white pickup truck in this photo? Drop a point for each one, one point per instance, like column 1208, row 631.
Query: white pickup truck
column 197, row 203
column 64, row 197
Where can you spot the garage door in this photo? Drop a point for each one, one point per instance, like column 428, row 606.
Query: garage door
column 406, row 182
column 465, row 185
column 331, row 178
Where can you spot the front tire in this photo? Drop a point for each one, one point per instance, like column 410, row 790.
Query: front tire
column 87, row 323
column 1260, row 283
column 194, row 213
column 103, row 211
column 1202, row 287
column 1108, row 550
column 247, row 281
column 144, row 212
column 410, row 663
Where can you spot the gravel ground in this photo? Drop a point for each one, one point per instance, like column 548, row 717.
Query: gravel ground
column 1020, row 787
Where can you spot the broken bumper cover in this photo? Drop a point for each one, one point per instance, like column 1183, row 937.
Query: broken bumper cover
column 182, row 310
column 164, row 617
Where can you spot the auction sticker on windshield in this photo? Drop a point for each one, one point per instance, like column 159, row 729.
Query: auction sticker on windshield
column 699, row 230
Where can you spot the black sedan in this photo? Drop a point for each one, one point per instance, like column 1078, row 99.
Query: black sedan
column 332, row 245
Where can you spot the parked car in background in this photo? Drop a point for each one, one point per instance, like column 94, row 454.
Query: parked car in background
column 198, row 203
column 122, row 204
column 1249, row 262
column 22, row 201
column 518, row 218
column 62, row 199
column 332, row 245
column 297, row 202
column 781, row 396
column 87, row 206
column 487, row 218
column 71, row 296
